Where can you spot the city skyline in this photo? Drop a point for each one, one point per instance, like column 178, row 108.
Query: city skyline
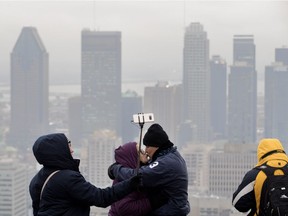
column 152, row 41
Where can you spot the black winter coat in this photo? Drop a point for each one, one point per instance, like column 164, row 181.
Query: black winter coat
column 166, row 177
column 67, row 193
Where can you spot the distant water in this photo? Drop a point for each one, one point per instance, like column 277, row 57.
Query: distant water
column 75, row 89
column 137, row 86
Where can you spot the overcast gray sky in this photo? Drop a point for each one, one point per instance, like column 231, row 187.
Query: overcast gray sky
column 152, row 32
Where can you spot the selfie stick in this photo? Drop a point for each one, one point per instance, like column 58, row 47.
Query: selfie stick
column 141, row 124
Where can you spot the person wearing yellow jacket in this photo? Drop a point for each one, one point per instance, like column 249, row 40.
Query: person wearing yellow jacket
column 247, row 197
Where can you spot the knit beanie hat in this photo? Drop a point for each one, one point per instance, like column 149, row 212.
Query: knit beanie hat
column 156, row 137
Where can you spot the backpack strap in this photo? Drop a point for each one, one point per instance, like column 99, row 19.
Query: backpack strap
column 284, row 169
column 269, row 170
column 47, row 182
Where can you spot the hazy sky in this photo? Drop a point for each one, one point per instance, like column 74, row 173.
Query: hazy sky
column 152, row 32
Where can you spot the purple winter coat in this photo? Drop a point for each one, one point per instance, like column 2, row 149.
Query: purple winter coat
column 136, row 203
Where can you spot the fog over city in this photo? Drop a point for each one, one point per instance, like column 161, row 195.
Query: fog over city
column 213, row 73
column 152, row 32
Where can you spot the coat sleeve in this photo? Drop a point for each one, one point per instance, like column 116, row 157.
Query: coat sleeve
column 244, row 197
column 153, row 174
column 84, row 192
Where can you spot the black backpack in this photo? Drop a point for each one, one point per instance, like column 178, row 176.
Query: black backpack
column 274, row 195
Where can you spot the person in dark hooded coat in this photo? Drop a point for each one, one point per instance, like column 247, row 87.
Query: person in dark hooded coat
column 67, row 193
column 165, row 176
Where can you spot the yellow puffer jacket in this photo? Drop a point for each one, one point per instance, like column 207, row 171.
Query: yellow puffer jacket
column 247, row 197
column 269, row 151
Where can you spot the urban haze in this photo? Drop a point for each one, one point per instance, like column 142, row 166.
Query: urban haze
column 210, row 72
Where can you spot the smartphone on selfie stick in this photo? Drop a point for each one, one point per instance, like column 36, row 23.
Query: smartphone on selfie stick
column 141, row 119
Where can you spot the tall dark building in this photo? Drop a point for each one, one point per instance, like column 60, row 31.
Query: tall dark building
column 218, row 92
column 101, row 81
column 281, row 55
column 242, row 92
column 276, row 97
column 74, row 120
column 196, row 82
column 164, row 100
column 244, row 50
column 29, row 89
column 131, row 104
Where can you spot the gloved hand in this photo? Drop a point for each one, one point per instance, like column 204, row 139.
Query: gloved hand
column 110, row 171
column 136, row 181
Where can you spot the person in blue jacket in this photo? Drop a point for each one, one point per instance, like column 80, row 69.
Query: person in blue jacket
column 66, row 192
column 164, row 176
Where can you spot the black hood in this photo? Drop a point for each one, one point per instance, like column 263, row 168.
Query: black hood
column 53, row 151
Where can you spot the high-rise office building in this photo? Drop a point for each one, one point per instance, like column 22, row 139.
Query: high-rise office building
column 101, row 148
column 281, row 55
column 13, row 188
column 242, row 92
column 276, row 98
column 196, row 81
column 74, row 120
column 244, row 49
column 216, row 170
column 101, row 81
column 131, row 104
column 29, row 89
column 227, row 166
column 218, row 92
column 164, row 100
column 197, row 160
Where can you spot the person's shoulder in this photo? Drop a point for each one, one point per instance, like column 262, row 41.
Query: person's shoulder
column 175, row 155
column 164, row 162
column 69, row 172
column 66, row 173
column 35, row 182
column 251, row 174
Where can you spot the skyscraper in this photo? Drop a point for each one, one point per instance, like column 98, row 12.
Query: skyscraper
column 29, row 89
column 227, row 166
column 218, row 92
column 100, row 155
column 276, row 98
column 74, row 120
column 101, row 81
column 13, row 187
column 242, row 92
column 164, row 101
column 196, row 81
column 281, row 55
column 131, row 104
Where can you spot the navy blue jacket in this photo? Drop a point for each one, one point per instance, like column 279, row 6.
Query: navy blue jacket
column 167, row 175
column 67, row 193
